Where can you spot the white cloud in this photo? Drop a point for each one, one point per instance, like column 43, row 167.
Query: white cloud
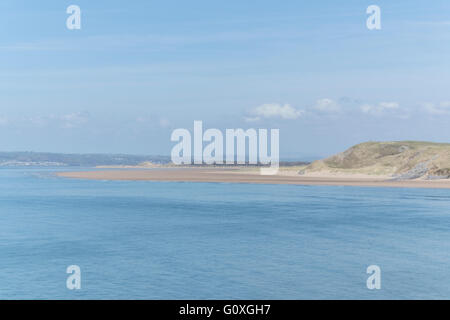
column 380, row 108
column 389, row 105
column 274, row 110
column 327, row 105
column 73, row 120
column 153, row 121
column 39, row 121
column 442, row 108
column 252, row 119
column 142, row 119
column 66, row 121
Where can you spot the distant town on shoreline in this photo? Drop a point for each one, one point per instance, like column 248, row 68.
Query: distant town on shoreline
column 47, row 159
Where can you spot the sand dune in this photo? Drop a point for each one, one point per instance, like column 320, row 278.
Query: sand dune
column 402, row 160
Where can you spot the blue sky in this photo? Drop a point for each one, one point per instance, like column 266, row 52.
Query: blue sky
column 139, row 69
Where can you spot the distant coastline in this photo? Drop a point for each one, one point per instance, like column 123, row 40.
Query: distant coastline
column 47, row 159
column 412, row 164
column 409, row 164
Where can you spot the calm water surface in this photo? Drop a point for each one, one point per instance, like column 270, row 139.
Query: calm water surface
column 157, row 240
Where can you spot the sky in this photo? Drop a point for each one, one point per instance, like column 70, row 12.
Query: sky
column 137, row 70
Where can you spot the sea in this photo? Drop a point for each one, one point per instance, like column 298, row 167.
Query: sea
column 181, row 240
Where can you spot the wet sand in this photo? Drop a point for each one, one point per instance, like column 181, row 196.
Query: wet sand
column 238, row 176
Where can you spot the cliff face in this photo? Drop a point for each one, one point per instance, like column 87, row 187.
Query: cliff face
column 402, row 160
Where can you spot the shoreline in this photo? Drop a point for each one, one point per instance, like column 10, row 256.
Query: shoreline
column 239, row 176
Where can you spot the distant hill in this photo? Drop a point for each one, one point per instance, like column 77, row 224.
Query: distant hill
column 403, row 160
column 82, row 160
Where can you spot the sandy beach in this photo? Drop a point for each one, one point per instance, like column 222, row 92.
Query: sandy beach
column 250, row 176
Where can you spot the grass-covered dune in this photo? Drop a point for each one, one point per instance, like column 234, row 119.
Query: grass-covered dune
column 403, row 160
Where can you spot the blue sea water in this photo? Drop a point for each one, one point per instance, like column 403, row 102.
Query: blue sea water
column 166, row 240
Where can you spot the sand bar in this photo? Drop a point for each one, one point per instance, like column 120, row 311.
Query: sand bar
column 236, row 176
